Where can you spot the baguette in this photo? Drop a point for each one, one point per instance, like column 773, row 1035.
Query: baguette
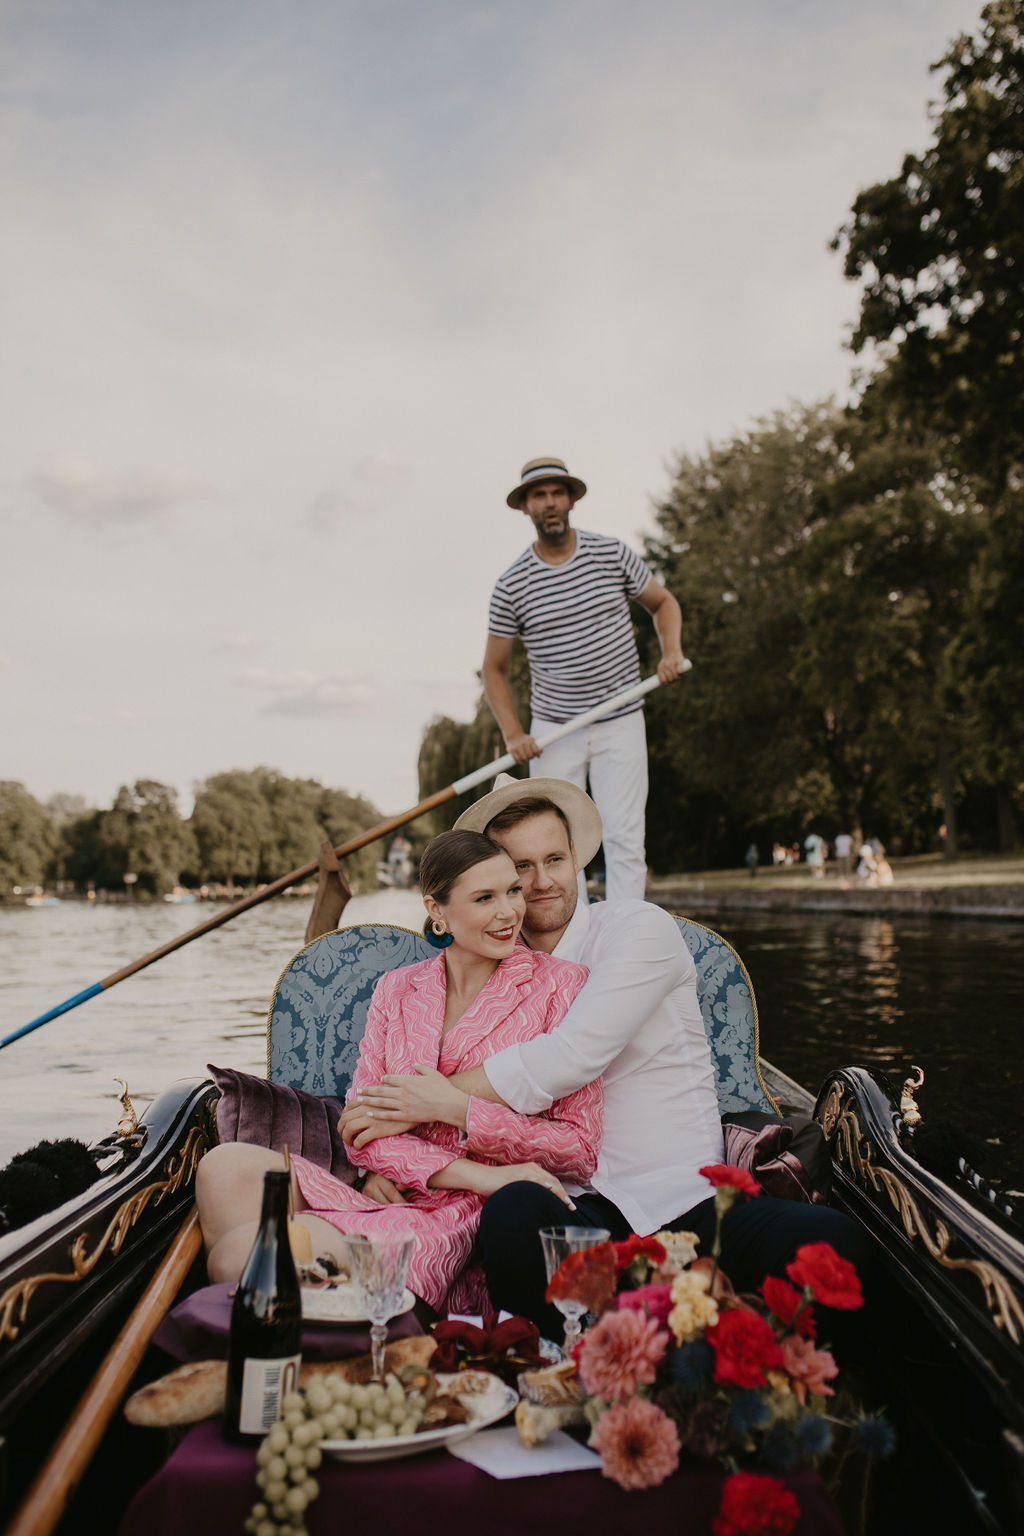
column 198, row 1390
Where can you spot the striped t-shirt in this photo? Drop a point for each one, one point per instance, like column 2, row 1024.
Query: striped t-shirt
column 574, row 621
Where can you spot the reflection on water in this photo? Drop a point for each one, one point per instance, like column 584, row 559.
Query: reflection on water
column 884, row 992
column 888, row 992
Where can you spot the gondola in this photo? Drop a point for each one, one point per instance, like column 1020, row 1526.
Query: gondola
column 949, row 1362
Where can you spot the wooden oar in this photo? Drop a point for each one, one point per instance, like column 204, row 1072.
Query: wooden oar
column 54, row 1487
column 471, row 780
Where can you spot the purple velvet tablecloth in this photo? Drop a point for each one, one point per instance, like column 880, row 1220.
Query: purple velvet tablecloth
column 207, row 1488
column 197, row 1329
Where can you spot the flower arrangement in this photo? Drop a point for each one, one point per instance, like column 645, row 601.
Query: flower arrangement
column 680, row 1364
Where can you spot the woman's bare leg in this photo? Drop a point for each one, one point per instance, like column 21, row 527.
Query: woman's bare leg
column 229, row 1194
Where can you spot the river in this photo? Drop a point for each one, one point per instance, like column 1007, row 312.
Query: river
column 884, row 992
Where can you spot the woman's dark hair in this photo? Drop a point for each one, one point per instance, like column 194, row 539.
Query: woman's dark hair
column 448, row 857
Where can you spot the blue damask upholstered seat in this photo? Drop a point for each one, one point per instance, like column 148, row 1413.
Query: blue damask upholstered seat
column 729, row 1010
column 318, row 1011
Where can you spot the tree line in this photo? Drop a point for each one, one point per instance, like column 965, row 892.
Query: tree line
column 852, row 579
column 247, row 826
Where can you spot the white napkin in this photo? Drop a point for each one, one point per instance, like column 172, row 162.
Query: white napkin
column 501, row 1453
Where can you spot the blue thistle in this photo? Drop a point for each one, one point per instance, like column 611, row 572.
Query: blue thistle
column 780, row 1448
column 749, row 1411
column 874, row 1436
column 692, row 1365
column 814, row 1434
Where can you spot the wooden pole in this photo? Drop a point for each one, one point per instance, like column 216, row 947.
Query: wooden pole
column 460, row 787
column 53, row 1489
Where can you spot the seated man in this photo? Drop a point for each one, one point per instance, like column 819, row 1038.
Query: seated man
column 637, row 1021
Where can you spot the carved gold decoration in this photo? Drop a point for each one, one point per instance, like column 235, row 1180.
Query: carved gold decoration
column 179, row 1170
column 850, row 1146
column 908, row 1104
column 128, row 1124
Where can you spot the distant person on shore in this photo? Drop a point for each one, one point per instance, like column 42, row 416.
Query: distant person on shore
column 778, row 853
column 883, row 869
column 567, row 598
column 814, row 844
column 844, row 850
column 750, row 859
column 867, row 868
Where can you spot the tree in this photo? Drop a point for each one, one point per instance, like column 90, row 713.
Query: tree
column 886, row 575
column 28, row 837
column 737, row 745
column 940, row 253
column 257, row 824
column 939, row 250
column 142, row 834
column 232, row 827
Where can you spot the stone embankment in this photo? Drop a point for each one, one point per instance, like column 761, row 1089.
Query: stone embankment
column 933, row 887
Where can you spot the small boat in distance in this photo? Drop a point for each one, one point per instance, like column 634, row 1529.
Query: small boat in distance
column 180, row 896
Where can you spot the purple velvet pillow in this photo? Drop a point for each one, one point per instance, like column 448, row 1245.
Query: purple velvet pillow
column 269, row 1114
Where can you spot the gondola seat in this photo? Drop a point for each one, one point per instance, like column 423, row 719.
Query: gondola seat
column 318, row 1011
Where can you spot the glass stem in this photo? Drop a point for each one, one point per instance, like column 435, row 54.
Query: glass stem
column 572, row 1334
column 378, row 1335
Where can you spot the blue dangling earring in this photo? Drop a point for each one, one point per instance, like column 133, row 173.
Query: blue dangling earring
column 436, row 934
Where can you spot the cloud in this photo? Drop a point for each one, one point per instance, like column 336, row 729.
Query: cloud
column 305, row 693
column 374, row 479
column 81, row 493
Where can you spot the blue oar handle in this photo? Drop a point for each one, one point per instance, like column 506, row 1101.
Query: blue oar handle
column 53, row 1013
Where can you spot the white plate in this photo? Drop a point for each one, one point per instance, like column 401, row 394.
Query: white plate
column 339, row 1304
column 485, row 1407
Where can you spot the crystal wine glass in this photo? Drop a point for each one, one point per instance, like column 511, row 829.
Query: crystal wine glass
column 558, row 1243
column 378, row 1267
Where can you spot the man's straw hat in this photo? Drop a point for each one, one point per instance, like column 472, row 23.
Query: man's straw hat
column 543, row 469
column 580, row 811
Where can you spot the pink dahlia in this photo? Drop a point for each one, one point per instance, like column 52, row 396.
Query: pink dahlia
column 638, row 1444
column 809, row 1369
column 622, row 1350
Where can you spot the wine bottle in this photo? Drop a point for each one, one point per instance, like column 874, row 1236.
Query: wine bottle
column 266, row 1323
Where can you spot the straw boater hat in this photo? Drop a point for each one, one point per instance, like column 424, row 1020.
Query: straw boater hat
column 544, row 469
column 580, row 811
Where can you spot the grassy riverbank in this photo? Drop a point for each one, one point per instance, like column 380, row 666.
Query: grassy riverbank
column 989, row 885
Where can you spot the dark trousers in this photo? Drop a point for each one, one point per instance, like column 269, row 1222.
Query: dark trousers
column 509, row 1248
column 759, row 1237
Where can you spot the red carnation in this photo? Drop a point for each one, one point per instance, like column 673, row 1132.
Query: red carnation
column 587, row 1277
column 745, row 1348
column 753, row 1505
column 639, row 1248
column 785, row 1302
column 832, row 1279
column 725, row 1176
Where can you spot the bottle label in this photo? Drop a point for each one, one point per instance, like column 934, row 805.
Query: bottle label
column 264, row 1383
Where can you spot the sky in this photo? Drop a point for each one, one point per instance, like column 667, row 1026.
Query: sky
column 290, row 291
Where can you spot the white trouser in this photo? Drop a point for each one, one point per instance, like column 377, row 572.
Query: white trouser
column 614, row 755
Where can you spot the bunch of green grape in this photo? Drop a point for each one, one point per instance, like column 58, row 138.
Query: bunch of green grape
column 330, row 1408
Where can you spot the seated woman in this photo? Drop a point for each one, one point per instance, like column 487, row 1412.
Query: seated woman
column 482, row 993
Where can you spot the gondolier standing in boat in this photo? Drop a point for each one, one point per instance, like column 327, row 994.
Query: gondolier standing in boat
column 567, row 597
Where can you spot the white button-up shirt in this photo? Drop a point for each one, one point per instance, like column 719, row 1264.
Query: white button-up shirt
column 637, row 1020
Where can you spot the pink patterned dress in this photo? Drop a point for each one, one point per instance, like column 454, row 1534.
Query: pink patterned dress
column 528, row 995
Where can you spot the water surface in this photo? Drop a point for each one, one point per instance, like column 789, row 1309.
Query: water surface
column 885, row 992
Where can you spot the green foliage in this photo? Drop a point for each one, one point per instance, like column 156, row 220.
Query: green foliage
column 142, row 834
column 939, row 250
column 255, row 824
column 28, row 837
column 449, row 751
